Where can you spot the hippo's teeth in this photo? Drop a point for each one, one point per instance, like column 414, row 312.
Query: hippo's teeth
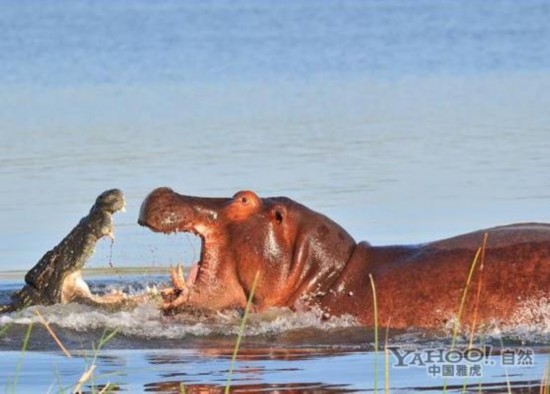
column 178, row 281
column 192, row 276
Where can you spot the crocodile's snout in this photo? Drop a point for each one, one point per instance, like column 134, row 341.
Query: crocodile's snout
column 111, row 201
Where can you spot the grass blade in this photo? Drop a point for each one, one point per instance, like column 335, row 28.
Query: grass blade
column 463, row 300
column 478, row 293
column 375, row 333
column 387, row 361
column 461, row 308
column 87, row 375
column 20, row 362
column 52, row 333
column 241, row 332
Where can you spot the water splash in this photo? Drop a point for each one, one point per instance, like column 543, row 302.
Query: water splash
column 111, row 245
column 147, row 321
column 529, row 324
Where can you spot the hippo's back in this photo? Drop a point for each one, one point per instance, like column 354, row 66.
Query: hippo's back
column 498, row 237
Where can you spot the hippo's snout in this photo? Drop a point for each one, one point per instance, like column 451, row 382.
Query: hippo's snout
column 155, row 207
column 167, row 211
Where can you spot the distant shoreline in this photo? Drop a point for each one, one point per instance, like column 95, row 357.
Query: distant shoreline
column 90, row 272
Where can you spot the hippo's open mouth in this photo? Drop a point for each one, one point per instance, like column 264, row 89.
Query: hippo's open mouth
column 226, row 238
column 197, row 267
column 183, row 284
column 188, row 228
column 167, row 212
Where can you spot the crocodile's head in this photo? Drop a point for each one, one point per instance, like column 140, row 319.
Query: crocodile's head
column 100, row 218
column 109, row 201
column 57, row 277
column 98, row 224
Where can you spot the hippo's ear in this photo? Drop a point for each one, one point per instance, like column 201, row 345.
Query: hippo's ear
column 279, row 213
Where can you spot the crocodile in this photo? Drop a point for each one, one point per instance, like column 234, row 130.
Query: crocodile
column 57, row 277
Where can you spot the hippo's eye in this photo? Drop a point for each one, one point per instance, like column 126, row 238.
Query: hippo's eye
column 244, row 200
column 278, row 217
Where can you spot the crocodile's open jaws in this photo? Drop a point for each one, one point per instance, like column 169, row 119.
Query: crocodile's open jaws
column 57, row 277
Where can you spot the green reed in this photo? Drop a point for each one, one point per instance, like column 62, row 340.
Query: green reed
column 375, row 307
column 23, row 351
column 241, row 332
column 462, row 304
column 88, row 375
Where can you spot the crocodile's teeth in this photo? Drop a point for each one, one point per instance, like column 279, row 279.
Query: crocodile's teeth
column 152, row 290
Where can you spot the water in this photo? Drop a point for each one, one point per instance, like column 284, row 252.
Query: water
column 281, row 351
column 403, row 121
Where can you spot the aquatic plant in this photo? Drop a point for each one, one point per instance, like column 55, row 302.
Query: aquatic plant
column 476, row 302
column 375, row 309
column 478, row 292
column 52, row 333
column 545, row 382
column 241, row 332
column 457, row 323
column 88, row 374
column 387, row 360
column 20, row 362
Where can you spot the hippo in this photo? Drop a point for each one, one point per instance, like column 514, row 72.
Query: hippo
column 306, row 261
column 57, row 277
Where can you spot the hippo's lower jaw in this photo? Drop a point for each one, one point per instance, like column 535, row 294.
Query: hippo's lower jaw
column 182, row 285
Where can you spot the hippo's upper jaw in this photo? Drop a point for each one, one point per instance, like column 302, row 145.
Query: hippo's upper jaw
column 166, row 211
column 152, row 209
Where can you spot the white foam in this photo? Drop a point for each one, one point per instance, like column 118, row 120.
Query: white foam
column 529, row 324
column 147, row 321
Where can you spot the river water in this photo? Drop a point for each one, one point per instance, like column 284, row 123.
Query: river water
column 403, row 121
